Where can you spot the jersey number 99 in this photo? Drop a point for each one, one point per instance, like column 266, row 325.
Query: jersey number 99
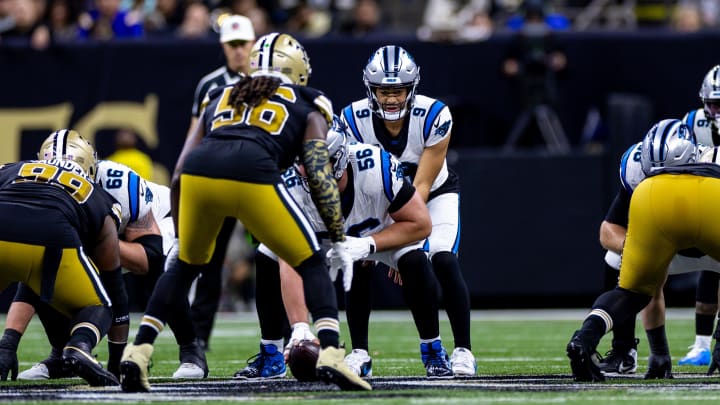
column 74, row 184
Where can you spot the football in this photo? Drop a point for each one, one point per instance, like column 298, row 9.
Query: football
column 302, row 360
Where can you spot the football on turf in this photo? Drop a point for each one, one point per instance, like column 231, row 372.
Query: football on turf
column 302, row 360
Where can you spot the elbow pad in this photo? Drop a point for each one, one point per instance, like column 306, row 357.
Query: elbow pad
column 115, row 286
column 153, row 245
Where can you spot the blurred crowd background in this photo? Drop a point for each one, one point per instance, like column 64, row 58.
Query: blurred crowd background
column 42, row 22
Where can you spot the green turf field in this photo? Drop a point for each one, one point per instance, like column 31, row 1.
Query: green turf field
column 521, row 359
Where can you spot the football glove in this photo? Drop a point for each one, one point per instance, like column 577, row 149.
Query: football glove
column 715, row 360
column 300, row 331
column 341, row 259
column 8, row 354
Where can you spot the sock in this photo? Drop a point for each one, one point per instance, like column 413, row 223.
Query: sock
column 657, row 339
column 704, row 324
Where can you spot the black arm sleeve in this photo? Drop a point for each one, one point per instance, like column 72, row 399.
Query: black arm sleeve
column 115, row 287
column 402, row 197
column 619, row 209
column 153, row 245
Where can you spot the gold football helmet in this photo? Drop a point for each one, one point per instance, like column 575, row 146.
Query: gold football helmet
column 67, row 144
column 282, row 56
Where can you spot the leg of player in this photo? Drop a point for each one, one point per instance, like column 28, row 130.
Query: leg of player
column 615, row 306
column 421, row 295
column 357, row 310
column 653, row 317
column 706, row 308
column 269, row 362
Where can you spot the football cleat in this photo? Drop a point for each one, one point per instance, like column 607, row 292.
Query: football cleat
column 51, row 368
column 359, row 362
column 78, row 359
column 134, row 367
column 192, row 362
column 331, row 368
column 463, row 362
column 620, row 361
column 697, row 356
column 435, row 359
column 583, row 360
column 269, row 363
column 659, row 367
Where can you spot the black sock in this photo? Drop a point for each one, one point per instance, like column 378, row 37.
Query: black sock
column 704, row 324
column 420, row 291
column 657, row 339
column 455, row 296
column 358, row 306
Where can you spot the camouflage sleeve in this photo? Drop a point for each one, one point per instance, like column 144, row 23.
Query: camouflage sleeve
column 323, row 187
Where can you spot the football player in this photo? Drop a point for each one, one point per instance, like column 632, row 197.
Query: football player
column 146, row 234
column 704, row 123
column 654, row 236
column 416, row 130
column 386, row 220
column 52, row 213
column 230, row 167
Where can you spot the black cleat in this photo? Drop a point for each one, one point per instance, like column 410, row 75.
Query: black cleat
column 659, row 367
column 581, row 361
column 78, row 359
column 620, row 361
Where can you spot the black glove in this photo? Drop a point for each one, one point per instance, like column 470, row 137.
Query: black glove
column 715, row 360
column 8, row 354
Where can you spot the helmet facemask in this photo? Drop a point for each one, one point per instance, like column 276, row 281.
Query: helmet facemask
column 391, row 67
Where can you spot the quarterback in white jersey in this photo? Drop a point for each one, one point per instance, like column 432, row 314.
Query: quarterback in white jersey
column 416, row 130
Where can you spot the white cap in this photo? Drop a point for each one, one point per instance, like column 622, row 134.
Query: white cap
column 236, row 28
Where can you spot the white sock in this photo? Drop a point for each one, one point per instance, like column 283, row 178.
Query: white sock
column 703, row 341
column 278, row 343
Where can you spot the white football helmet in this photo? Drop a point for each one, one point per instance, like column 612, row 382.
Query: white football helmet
column 668, row 143
column 67, row 144
column 282, row 56
column 710, row 95
column 391, row 66
column 337, row 146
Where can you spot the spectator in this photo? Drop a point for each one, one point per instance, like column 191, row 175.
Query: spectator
column 165, row 18
column 687, row 17
column 366, row 20
column 308, row 21
column 107, row 20
column 25, row 21
column 127, row 153
column 196, row 23
column 62, row 18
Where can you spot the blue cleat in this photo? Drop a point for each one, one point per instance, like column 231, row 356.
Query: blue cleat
column 269, row 363
column 436, row 360
column 697, row 356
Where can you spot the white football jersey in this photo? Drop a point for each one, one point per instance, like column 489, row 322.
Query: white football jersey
column 700, row 125
column 430, row 121
column 376, row 181
column 136, row 195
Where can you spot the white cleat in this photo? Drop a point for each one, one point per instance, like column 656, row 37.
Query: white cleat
column 189, row 370
column 37, row 372
column 463, row 362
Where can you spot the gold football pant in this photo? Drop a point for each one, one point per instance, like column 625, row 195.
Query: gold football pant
column 668, row 213
column 266, row 210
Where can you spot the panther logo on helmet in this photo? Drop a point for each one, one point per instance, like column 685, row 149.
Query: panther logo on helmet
column 668, row 143
column 391, row 67
column 67, row 144
column 282, row 56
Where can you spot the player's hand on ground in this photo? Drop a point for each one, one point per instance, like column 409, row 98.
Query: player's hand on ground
column 301, row 331
column 715, row 360
column 8, row 364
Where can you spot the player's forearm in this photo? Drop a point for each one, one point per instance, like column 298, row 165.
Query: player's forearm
column 133, row 257
column 293, row 294
column 399, row 234
column 612, row 236
column 19, row 316
column 323, row 187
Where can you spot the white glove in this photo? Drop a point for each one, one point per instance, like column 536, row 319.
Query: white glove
column 340, row 259
column 300, row 331
column 359, row 248
column 172, row 255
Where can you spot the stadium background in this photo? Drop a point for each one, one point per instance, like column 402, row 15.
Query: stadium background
column 530, row 218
